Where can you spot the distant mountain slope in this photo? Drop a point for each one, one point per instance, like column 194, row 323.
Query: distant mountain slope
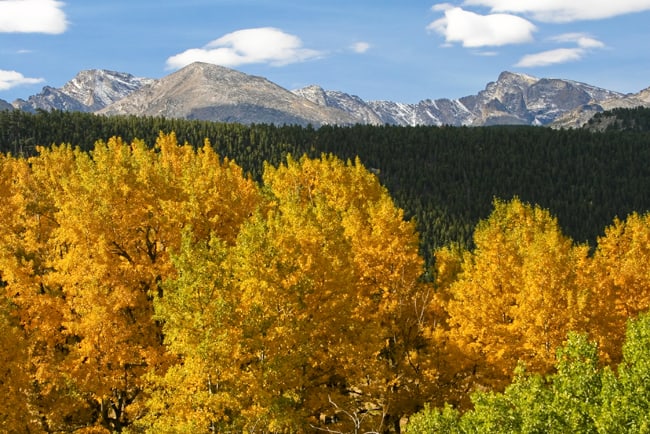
column 513, row 99
column 209, row 92
column 342, row 101
column 88, row 91
column 4, row 105
column 580, row 115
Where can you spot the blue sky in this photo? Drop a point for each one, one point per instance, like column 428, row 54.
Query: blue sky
column 401, row 50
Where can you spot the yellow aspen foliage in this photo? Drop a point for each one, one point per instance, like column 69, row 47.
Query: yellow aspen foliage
column 517, row 294
column 85, row 247
column 28, row 222
column 446, row 358
column 328, row 278
column 202, row 389
column 14, row 374
column 121, row 212
column 206, row 193
column 620, row 277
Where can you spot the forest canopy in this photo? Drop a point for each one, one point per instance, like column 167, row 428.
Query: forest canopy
column 161, row 287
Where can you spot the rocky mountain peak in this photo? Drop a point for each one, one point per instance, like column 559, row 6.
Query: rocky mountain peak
column 89, row 91
column 210, row 92
column 510, row 79
column 313, row 93
column 97, row 88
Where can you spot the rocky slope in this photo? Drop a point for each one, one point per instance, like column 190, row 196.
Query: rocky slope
column 209, row 92
column 88, row 91
column 580, row 115
column 354, row 105
column 513, row 99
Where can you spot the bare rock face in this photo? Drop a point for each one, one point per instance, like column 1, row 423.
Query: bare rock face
column 209, row 92
column 88, row 91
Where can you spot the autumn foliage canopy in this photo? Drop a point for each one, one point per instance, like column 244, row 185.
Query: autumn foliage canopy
column 160, row 289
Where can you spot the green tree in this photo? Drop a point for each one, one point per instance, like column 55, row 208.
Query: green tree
column 579, row 397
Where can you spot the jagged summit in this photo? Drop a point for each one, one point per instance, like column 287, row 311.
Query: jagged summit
column 523, row 99
column 89, row 91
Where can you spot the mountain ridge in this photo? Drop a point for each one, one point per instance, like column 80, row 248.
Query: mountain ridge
column 210, row 92
column 90, row 90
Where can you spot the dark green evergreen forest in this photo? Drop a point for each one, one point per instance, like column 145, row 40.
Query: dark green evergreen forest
column 444, row 177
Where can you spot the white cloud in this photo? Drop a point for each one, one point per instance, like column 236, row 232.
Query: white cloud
column 582, row 39
column 474, row 30
column 584, row 42
column 551, row 57
column 258, row 45
column 32, row 16
column 360, row 47
column 564, row 10
column 10, row 79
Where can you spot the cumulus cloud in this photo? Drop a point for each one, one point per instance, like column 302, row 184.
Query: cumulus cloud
column 10, row 79
column 258, row 45
column 475, row 30
column 360, row 47
column 551, row 57
column 564, row 10
column 32, row 16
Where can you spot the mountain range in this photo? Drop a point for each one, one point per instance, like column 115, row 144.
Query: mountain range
column 209, row 92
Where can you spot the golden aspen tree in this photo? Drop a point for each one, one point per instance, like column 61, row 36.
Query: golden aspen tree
column 14, row 362
column 328, row 279
column 85, row 246
column 620, row 277
column 447, row 359
column 120, row 212
column 202, row 390
column 110, row 236
column 199, row 389
column 39, row 305
column 517, row 294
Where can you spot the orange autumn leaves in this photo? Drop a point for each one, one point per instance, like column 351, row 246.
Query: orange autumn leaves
column 161, row 290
